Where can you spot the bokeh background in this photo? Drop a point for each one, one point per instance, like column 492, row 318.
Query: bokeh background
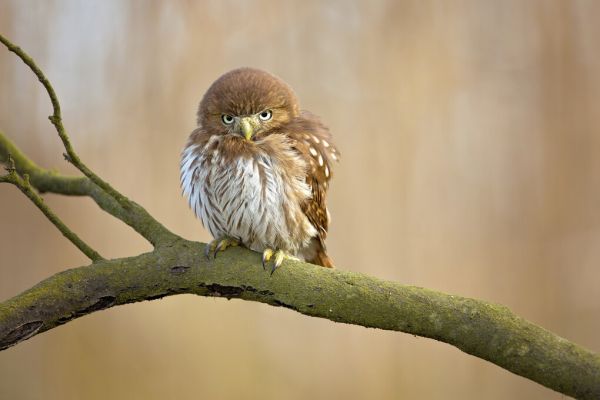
column 470, row 136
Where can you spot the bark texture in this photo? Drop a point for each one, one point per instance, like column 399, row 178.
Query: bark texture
column 488, row 331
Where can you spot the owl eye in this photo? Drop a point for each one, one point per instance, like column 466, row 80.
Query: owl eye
column 227, row 119
column 265, row 115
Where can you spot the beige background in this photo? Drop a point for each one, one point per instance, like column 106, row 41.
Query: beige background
column 470, row 139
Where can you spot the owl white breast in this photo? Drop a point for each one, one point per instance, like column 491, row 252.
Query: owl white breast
column 248, row 198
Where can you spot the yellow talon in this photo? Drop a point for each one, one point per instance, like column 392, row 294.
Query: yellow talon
column 267, row 254
column 278, row 257
column 220, row 244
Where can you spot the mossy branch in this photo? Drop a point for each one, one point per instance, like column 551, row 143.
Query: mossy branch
column 487, row 331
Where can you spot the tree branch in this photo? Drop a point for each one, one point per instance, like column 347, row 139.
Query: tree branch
column 46, row 181
column 56, row 119
column 158, row 233
column 485, row 330
column 24, row 185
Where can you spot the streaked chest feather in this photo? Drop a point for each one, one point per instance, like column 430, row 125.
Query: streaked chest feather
column 252, row 198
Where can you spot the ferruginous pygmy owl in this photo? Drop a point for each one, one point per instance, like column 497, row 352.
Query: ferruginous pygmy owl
column 257, row 168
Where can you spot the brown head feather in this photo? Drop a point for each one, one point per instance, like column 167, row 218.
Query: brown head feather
column 247, row 91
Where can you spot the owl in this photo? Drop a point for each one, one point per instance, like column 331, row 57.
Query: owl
column 256, row 170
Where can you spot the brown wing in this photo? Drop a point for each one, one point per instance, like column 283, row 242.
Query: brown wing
column 313, row 140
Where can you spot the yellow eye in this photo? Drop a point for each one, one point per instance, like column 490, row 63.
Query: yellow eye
column 265, row 115
column 227, row 119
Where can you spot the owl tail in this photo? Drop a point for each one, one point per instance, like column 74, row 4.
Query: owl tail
column 321, row 258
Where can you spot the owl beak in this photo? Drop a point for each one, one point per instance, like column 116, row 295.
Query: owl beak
column 247, row 128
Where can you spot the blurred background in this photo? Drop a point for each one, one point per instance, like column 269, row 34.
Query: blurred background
column 470, row 141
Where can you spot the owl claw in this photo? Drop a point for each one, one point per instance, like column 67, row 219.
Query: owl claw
column 207, row 250
column 267, row 254
column 218, row 245
column 277, row 255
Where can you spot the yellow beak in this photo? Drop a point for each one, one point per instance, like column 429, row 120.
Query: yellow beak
column 247, row 128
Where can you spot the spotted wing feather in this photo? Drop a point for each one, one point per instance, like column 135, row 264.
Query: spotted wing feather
column 313, row 141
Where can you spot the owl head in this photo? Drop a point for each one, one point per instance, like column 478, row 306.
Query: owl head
column 247, row 102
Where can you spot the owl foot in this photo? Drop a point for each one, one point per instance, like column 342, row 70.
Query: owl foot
column 278, row 256
column 218, row 245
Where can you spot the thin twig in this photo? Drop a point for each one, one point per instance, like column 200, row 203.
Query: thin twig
column 56, row 120
column 23, row 184
column 46, row 181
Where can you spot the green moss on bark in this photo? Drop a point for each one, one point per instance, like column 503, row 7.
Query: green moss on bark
column 485, row 330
